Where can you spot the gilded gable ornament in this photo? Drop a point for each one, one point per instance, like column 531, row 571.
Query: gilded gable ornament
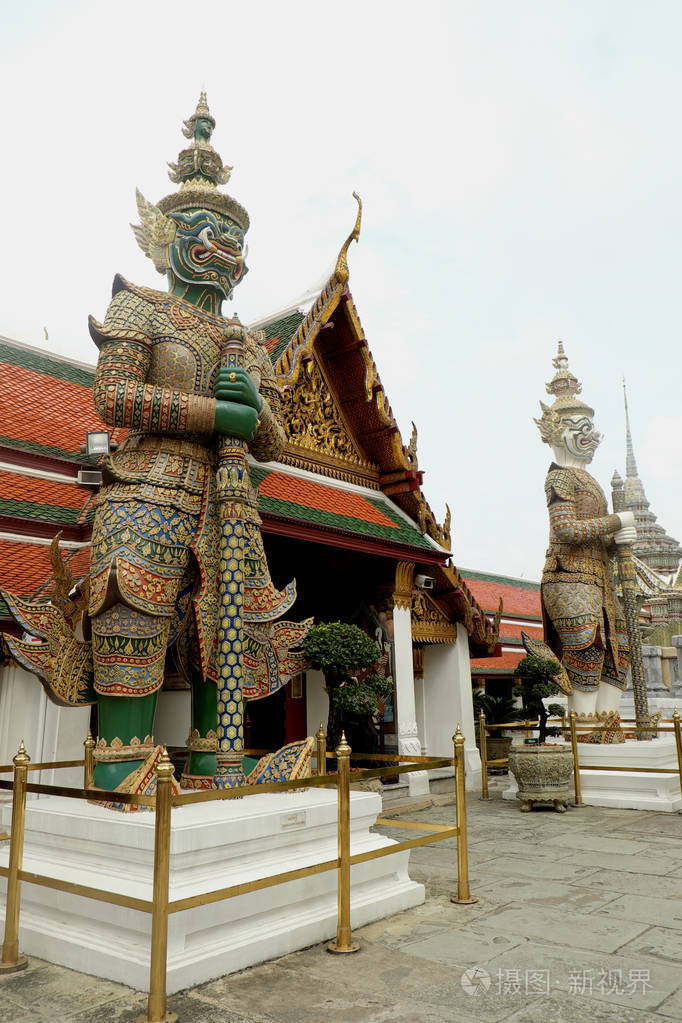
column 313, row 421
column 430, row 624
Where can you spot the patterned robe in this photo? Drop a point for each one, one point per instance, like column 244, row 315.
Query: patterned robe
column 584, row 622
column 154, row 555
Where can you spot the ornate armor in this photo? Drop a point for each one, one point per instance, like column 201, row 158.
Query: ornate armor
column 154, row 563
column 583, row 621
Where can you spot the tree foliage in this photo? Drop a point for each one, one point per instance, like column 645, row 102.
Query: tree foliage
column 343, row 653
column 535, row 684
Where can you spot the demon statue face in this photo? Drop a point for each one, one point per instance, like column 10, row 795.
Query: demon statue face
column 208, row 248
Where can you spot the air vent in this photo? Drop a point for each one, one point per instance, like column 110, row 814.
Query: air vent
column 89, row 478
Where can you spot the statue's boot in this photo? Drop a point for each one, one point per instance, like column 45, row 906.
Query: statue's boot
column 202, row 740
column 126, row 724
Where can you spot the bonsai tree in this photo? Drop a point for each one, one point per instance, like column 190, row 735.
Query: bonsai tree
column 535, row 684
column 344, row 654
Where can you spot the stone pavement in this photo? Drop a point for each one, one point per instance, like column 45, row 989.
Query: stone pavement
column 579, row 919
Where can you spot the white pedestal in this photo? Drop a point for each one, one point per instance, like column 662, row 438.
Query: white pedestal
column 213, row 845
column 627, row 790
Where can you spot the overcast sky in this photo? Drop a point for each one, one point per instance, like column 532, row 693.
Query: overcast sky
column 520, row 165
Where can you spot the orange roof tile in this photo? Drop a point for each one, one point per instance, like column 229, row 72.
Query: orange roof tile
column 20, row 487
column 58, row 415
column 517, row 599
column 26, row 566
column 507, row 661
column 325, row 498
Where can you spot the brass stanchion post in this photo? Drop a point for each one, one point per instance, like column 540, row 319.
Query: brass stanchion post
column 343, row 941
column 576, row 764
column 89, row 767
column 678, row 742
column 321, row 749
column 11, row 961
column 464, row 896
column 484, row 756
column 156, row 1003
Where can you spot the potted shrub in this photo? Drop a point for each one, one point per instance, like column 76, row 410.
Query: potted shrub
column 543, row 772
column 498, row 710
column 349, row 660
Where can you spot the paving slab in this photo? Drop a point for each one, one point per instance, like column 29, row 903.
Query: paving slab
column 592, row 842
column 558, row 894
column 655, row 824
column 57, row 992
column 564, row 928
column 579, row 1010
column 655, row 886
column 559, row 869
column 627, row 981
column 644, row 864
column 663, row 943
column 671, row 1008
column 646, row 910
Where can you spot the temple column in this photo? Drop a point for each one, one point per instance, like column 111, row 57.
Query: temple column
column 450, row 703
column 409, row 743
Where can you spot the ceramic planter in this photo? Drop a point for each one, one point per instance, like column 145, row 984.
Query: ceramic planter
column 543, row 774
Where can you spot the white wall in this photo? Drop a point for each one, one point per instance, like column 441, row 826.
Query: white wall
column 49, row 732
column 448, row 702
column 317, row 702
column 173, row 717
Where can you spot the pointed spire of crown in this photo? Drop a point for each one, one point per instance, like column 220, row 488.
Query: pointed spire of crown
column 630, row 464
column 201, row 113
column 563, row 384
column 199, row 165
column 200, row 170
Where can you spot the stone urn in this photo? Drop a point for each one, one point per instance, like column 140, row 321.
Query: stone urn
column 543, row 774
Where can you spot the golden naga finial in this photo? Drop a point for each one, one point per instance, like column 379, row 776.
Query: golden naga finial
column 411, row 450
column 341, row 269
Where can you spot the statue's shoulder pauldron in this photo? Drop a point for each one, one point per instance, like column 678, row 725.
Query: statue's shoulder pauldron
column 129, row 315
column 559, row 483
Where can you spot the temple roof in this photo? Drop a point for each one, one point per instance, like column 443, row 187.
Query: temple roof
column 333, row 507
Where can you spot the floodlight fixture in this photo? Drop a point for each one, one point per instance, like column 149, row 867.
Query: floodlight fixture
column 97, row 443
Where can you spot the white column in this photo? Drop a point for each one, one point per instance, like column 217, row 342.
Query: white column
column 447, row 675
column 409, row 743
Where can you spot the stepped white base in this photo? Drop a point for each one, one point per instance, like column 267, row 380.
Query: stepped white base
column 627, row 790
column 213, row 845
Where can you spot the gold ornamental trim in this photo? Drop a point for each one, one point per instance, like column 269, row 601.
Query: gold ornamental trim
column 430, row 624
column 202, row 743
column 136, row 749
column 402, row 595
column 331, row 467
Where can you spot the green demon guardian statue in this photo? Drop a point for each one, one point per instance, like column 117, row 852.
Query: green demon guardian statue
column 179, row 583
column 584, row 623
